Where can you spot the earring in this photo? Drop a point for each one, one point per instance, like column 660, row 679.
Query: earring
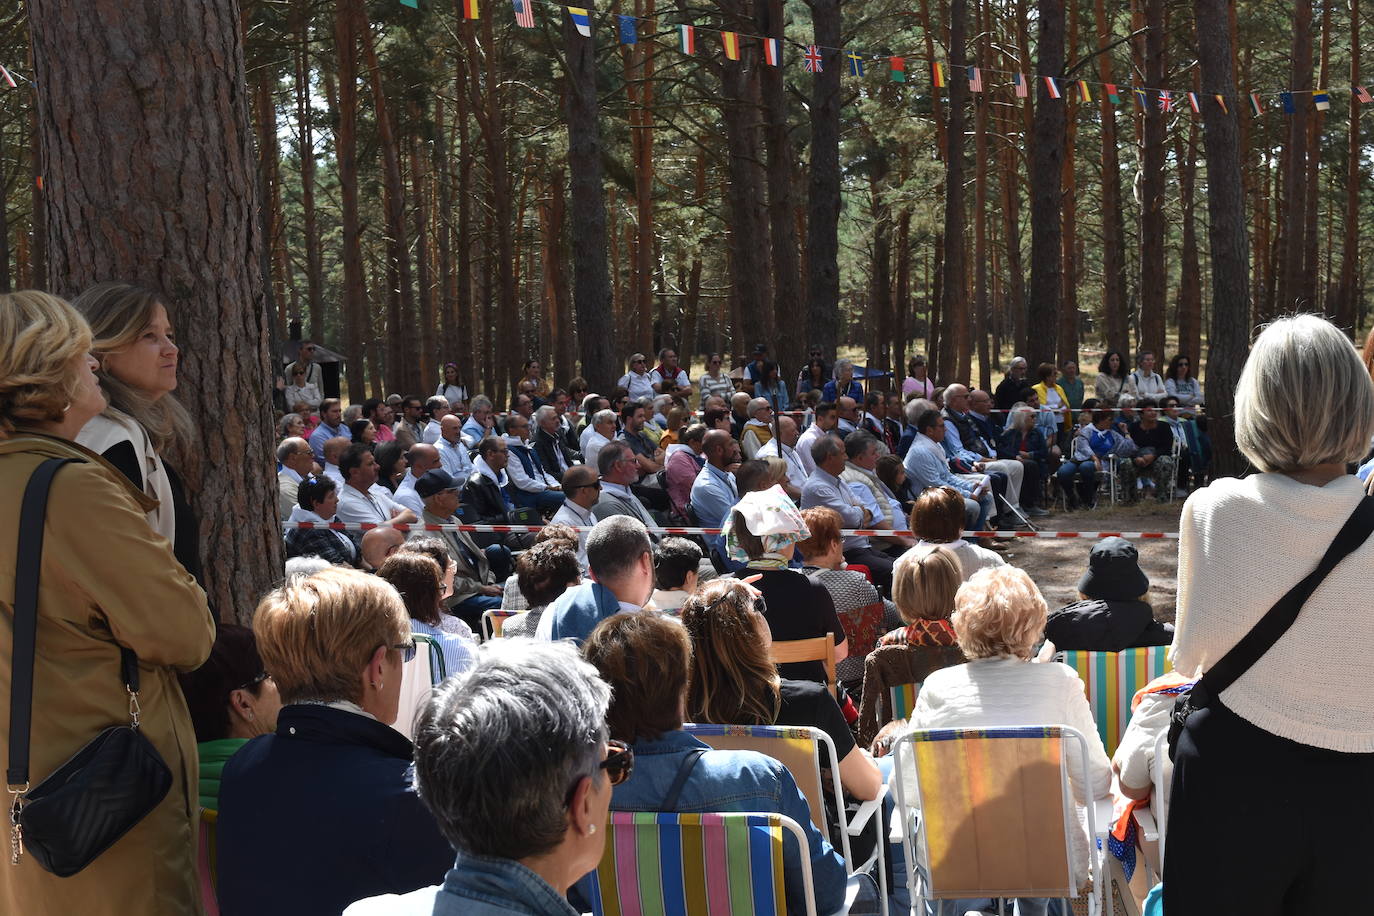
column 591, row 829
column 68, row 407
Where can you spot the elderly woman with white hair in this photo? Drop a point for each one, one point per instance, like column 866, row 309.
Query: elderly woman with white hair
column 1285, row 749
column 999, row 616
column 513, row 761
column 842, row 385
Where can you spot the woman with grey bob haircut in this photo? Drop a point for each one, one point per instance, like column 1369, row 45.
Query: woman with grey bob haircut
column 1297, row 728
column 508, row 758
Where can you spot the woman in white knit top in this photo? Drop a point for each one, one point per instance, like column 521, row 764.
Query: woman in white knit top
column 1287, row 752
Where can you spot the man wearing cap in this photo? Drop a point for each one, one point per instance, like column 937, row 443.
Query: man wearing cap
column 475, row 583
column 1113, row 614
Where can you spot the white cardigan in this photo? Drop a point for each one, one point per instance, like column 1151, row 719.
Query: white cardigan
column 112, row 427
column 1010, row 692
column 1243, row 544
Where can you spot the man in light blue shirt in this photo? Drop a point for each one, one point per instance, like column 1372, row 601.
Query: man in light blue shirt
column 714, row 491
column 331, row 427
column 453, row 451
column 479, row 423
column 927, row 466
column 825, row 488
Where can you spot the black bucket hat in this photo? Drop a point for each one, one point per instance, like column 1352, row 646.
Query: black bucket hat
column 1114, row 572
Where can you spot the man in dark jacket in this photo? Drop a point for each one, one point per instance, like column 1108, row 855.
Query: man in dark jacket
column 554, row 454
column 487, row 495
column 1113, row 614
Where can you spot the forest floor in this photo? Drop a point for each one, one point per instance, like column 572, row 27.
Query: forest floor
column 1056, row 565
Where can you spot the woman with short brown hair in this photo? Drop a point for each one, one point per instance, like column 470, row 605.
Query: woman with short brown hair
column 938, row 518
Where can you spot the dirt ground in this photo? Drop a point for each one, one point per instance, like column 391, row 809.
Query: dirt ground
column 1056, row 565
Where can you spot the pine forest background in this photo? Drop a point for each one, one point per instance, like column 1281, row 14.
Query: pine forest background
column 435, row 188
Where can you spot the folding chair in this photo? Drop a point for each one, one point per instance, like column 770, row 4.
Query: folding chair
column 658, row 864
column 993, row 815
column 1111, row 680
column 799, row 748
column 815, row 649
column 418, row 677
column 493, row 621
column 1153, row 822
column 206, row 856
column 892, row 680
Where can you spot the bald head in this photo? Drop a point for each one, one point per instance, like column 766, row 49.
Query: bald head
column 451, row 428
column 422, row 457
column 378, row 544
column 847, row 408
column 334, row 448
column 787, row 430
column 739, row 401
column 718, row 447
column 979, row 401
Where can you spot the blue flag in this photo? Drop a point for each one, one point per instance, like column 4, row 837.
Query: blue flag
column 628, row 33
column 1287, row 99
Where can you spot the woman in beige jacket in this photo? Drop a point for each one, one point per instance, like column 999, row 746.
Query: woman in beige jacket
column 107, row 580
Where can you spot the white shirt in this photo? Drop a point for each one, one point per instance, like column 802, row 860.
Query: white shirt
column 539, row 482
column 454, row 458
column 592, row 446
column 638, row 386
column 356, row 507
column 796, row 470
column 405, row 494
column 803, row 447
column 971, row 557
column 573, row 515
column 333, row 473
column 430, row 433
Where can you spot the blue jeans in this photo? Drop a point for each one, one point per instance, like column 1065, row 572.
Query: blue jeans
column 469, row 610
column 1086, row 472
column 544, row 500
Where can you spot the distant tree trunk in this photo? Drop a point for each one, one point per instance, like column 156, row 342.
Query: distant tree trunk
column 182, row 222
column 1113, row 255
column 954, row 343
column 823, row 202
column 38, row 236
column 553, row 223
column 462, row 341
column 1311, row 265
column 305, row 149
column 423, row 356
column 1345, row 304
column 980, row 215
column 782, row 227
column 5, row 283
column 355, row 321
column 749, row 255
column 1294, row 242
column 1068, row 309
column 591, row 281
column 1229, row 339
column 448, row 280
column 1047, row 168
column 1190, row 280
column 1153, row 226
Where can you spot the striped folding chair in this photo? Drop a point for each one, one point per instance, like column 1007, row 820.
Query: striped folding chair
column 658, row 864
column 903, row 699
column 206, row 856
column 493, row 621
column 992, row 814
column 800, row 749
column 1111, row 679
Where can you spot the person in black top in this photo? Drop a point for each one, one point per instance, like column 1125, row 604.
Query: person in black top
column 1009, row 390
column 734, row 681
column 1154, row 460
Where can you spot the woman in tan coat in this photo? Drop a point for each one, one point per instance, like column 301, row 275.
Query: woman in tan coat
column 107, row 580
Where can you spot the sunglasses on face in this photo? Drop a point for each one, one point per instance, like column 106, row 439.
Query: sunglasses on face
column 594, row 485
column 407, row 650
column 619, row 764
column 249, row 685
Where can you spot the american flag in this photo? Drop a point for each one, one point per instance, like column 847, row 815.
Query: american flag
column 1363, row 95
column 975, row 79
column 813, row 59
column 524, row 13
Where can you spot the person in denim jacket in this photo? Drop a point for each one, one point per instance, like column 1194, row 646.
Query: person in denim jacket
column 645, row 658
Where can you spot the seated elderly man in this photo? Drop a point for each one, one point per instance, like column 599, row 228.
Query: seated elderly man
column 861, row 473
column 784, row 446
column 926, row 466
column 600, row 431
column 965, row 444
column 297, row 461
column 453, row 451
column 621, row 565
column 582, row 487
column 437, row 408
column 545, row 709
column 547, row 441
column 758, row 429
column 480, row 422
column 531, row 483
column 420, row 460
column 333, row 451
column 824, row 488
column 619, row 471
column 478, row 572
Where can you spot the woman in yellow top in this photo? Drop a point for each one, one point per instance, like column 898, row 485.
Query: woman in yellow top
column 107, row 581
column 1052, row 395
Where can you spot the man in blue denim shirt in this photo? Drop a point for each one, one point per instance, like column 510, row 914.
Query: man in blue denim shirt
column 508, row 758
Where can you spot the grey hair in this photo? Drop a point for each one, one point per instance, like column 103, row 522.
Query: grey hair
column 481, row 402
column 298, row 568
column 1304, row 398
column 436, row 402
column 289, row 445
column 1126, row 400
column 825, row 448
column 610, row 453
column 498, row 747
column 544, row 413
column 841, row 364
column 1020, row 416
column 353, row 412
column 588, row 401
column 615, row 545
column 915, row 407
column 285, row 422
column 1016, row 361
column 757, row 404
column 603, row 416
column 858, row 442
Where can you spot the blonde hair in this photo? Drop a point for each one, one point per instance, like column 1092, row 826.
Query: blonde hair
column 316, row 635
column 999, row 612
column 733, row 678
column 777, row 469
column 118, row 313
column 925, row 580
column 1304, row 397
column 46, row 336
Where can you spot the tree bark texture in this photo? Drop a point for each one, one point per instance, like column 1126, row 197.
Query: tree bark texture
column 782, row 226
column 1294, row 239
column 1345, row 304
column 1153, row 226
column 823, row 202
column 1047, row 166
column 953, row 360
column 346, row 20
column 149, row 176
column 1113, row 254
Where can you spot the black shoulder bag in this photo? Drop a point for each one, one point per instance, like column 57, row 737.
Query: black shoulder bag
column 89, row 802
column 1271, row 626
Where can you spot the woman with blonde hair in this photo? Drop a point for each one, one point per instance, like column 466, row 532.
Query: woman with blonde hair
column 135, row 345
column 999, row 616
column 924, row 582
column 323, row 812
column 1293, row 719
column 734, row 680
column 107, row 583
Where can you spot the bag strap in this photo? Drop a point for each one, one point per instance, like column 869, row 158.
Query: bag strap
column 32, row 513
column 1271, row 627
column 683, row 771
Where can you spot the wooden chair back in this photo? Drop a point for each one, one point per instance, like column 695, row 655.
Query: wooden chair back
column 816, row 649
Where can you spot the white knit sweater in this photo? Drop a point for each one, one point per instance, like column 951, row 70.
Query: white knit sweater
column 1243, row 544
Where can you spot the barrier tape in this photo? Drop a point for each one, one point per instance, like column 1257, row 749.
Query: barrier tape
column 846, row 532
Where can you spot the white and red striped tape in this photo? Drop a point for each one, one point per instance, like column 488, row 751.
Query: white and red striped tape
column 847, row 532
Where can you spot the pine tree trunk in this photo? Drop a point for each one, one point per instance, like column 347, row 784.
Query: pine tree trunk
column 1294, row 240
column 980, row 215
column 823, row 202
column 1153, row 224
column 1068, row 309
column 782, row 227
column 1190, row 280
column 954, row 355
column 443, row 239
column 424, row 355
column 1047, row 168
column 305, row 149
column 1114, row 333
column 1345, row 304
column 346, row 152
column 182, row 222
column 749, row 255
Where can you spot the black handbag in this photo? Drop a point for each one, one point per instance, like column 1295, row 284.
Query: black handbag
column 85, row 805
column 1271, row 626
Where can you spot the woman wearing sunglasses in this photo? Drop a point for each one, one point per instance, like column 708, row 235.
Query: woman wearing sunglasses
column 645, row 657
column 322, row 812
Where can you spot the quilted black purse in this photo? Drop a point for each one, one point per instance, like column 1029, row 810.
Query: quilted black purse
column 85, row 805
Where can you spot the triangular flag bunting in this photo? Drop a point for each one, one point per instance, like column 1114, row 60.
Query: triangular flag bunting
column 1255, row 105
column 524, row 13
column 856, row 63
column 1051, row 88
column 1084, row 93
column 9, row 80
column 897, row 69
column 1361, row 93
column 1222, row 102
column 413, row 4
column 1322, row 101
column 772, row 52
column 687, row 39
column 813, row 59
column 470, row 10
column 1193, row 103
column 629, row 34
column 581, row 20
column 730, row 41
column 1022, row 88
column 975, row 79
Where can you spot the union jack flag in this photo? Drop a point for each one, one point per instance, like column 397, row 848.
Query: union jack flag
column 524, row 13
column 813, row 59
column 1166, row 101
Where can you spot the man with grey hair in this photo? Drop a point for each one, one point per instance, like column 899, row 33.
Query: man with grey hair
column 824, row 488
column 784, row 446
column 544, row 709
column 972, row 454
column 599, row 433
column 422, row 457
column 619, row 471
column 847, row 409
column 758, row 429
column 548, row 444
column 297, row 461
column 437, row 407
column 1008, row 391
column 620, row 562
column 862, row 450
column 453, row 451
column 479, row 422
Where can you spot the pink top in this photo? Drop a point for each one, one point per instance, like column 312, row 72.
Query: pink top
column 925, row 386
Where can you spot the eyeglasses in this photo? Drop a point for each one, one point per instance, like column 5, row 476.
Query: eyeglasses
column 407, row 650
column 760, row 605
column 258, row 679
column 618, row 764
column 594, row 485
